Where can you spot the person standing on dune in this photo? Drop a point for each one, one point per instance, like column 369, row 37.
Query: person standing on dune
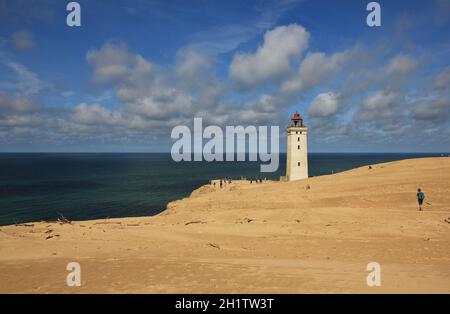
column 420, row 198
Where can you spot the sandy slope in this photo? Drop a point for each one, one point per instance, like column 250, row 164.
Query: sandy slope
column 272, row 237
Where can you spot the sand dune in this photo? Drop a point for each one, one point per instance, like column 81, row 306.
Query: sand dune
column 275, row 237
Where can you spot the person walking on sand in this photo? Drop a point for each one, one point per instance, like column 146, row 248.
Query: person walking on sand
column 420, row 198
column 221, row 184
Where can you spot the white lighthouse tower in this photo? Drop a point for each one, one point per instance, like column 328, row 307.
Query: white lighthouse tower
column 297, row 150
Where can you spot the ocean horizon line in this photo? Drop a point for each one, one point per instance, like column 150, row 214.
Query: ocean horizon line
column 247, row 153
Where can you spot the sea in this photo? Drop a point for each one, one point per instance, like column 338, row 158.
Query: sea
column 83, row 186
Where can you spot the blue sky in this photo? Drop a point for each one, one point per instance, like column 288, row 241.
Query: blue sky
column 135, row 69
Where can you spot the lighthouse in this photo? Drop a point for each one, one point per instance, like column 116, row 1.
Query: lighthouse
column 297, row 150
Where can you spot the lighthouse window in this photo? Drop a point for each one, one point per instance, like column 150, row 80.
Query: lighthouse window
column 298, row 146
column 296, row 132
column 298, row 139
column 298, row 164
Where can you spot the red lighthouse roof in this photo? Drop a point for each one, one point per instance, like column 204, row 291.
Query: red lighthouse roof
column 297, row 119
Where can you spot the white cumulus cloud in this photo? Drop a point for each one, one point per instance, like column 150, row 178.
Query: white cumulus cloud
column 324, row 105
column 272, row 60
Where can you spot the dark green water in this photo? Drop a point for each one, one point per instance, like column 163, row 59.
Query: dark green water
column 36, row 187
